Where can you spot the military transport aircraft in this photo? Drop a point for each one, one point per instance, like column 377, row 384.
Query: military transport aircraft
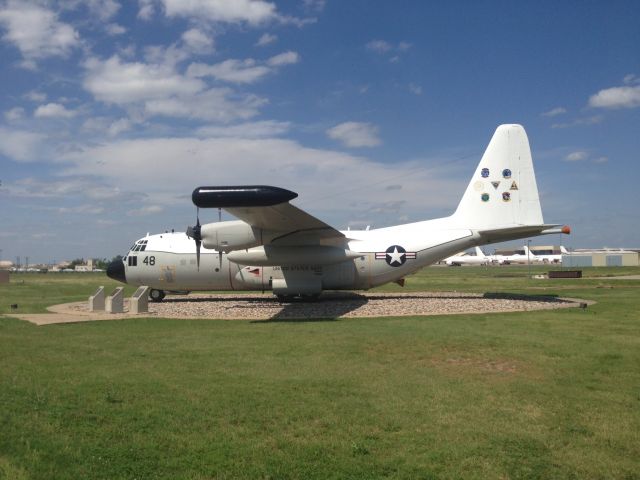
column 276, row 246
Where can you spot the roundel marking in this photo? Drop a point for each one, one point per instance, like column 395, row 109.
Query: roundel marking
column 484, row 172
column 506, row 196
column 396, row 256
column 484, row 197
column 506, row 173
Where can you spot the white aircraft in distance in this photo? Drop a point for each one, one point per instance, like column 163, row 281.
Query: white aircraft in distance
column 478, row 259
column 518, row 258
column 276, row 246
column 552, row 257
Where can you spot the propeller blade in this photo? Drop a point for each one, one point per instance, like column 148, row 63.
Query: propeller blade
column 198, row 244
column 195, row 232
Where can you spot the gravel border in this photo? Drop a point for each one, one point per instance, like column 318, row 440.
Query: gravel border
column 331, row 305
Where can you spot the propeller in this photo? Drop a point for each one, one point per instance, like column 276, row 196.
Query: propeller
column 195, row 232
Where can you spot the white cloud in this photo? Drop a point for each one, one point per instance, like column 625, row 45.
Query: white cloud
column 415, row 89
column 86, row 209
column 253, row 12
column 262, row 129
column 36, row 31
column 355, row 134
column 14, row 114
column 115, row 29
column 266, row 39
column 215, row 104
column 198, row 41
column 576, row 156
column 231, row 70
column 600, row 160
column 616, row 97
column 146, row 9
column 35, row 96
column 242, row 71
column 119, row 126
column 382, row 47
column 286, row 58
column 20, row 145
column 103, row 10
column 379, row 46
column 158, row 89
column 148, row 210
column 631, row 79
column 53, row 110
column 592, row 120
column 554, row 112
column 180, row 164
column 314, row 5
column 114, row 81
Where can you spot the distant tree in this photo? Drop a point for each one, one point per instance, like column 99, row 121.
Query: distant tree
column 77, row 261
column 100, row 263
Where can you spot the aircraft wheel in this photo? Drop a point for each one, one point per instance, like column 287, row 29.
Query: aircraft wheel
column 156, row 295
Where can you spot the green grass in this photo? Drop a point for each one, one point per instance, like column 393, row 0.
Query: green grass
column 549, row 394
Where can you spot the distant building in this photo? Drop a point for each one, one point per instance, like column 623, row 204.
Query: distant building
column 601, row 257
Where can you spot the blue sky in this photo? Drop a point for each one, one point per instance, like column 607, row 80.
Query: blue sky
column 376, row 113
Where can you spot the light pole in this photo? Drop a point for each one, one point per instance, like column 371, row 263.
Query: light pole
column 529, row 257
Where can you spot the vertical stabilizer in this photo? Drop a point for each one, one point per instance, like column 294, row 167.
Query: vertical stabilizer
column 503, row 190
column 479, row 252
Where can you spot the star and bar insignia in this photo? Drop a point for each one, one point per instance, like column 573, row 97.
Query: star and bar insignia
column 396, row 256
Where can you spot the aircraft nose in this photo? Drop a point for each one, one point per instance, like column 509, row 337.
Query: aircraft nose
column 115, row 270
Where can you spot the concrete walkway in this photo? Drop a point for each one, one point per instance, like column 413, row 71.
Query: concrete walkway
column 74, row 313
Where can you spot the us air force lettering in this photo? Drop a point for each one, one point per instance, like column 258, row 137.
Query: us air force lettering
column 276, row 246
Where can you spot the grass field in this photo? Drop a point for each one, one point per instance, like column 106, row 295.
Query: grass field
column 548, row 394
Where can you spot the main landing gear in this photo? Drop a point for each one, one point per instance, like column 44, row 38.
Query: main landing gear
column 156, row 295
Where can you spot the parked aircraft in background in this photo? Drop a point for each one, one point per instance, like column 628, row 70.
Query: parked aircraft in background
column 552, row 258
column 515, row 258
column 276, row 246
column 464, row 259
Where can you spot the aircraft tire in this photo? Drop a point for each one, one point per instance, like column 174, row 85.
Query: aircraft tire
column 156, row 295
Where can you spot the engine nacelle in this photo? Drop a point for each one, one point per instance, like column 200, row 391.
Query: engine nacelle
column 229, row 236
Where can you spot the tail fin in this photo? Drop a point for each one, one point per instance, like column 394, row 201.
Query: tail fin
column 563, row 250
column 528, row 252
column 479, row 252
column 503, row 190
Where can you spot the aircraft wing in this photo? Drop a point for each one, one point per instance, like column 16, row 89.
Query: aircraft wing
column 285, row 218
column 267, row 208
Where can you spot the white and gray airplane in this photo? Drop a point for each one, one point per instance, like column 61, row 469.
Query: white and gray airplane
column 551, row 257
column 463, row 259
column 276, row 246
